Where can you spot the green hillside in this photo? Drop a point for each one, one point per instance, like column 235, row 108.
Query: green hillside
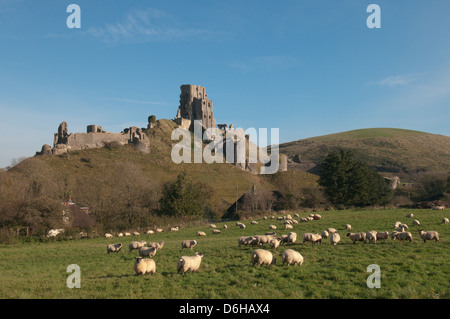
column 391, row 151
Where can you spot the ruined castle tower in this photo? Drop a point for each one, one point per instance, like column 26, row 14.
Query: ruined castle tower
column 195, row 105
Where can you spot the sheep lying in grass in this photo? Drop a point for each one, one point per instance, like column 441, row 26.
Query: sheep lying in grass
column 144, row 266
column 189, row 263
column 126, row 234
column 120, row 235
column 290, row 256
column 445, row 220
column 262, row 257
column 159, row 230
column 429, row 235
column 335, row 239
column 135, row 233
column 147, row 251
column 254, row 222
column 357, row 237
column 188, row 244
column 212, row 226
column 201, row 233
column 113, row 248
column 403, row 236
column 371, row 236
column 382, row 235
column 313, row 238
column 136, row 245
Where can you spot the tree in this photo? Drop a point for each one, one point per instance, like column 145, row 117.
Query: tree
column 184, row 197
column 348, row 182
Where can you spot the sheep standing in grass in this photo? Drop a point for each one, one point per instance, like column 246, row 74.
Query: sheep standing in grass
column 120, row 235
column 445, row 220
column 357, row 237
column 410, row 215
column 212, row 226
column 292, row 237
column 348, row 227
column 126, row 234
column 331, row 230
column 247, row 240
column 371, row 236
column 189, row 263
column 403, row 236
column 108, row 235
column 156, row 245
column 113, row 248
column 272, row 227
column 335, row 239
column 225, row 226
column 416, row 222
column 382, row 235
column 262, row 257
column 313, row 238
column 150, row 232
column 263, row 239
column 317, row 216
column 274, row 243
column 325, row 234
column 136, row 245
column 144, row 266
column 147, row 251
column 159, row 230
column 287, row 226
column 429, row 235
column 215, row 231
column 188, row 244
column 242, row 226
column 290, row 256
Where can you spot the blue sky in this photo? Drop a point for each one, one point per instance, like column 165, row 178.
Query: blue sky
column 307, row 67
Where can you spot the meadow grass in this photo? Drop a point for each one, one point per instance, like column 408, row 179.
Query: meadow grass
column 408, row 270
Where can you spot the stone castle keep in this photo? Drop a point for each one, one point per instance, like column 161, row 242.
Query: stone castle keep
column 194, row 105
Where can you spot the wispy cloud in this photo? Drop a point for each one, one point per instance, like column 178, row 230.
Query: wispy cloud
column 398, row 80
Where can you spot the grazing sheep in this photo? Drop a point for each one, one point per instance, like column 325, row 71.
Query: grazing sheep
column 247, row 240
column 242, row 226
column 135, row 233
column 270, row 233
column 201, row 233
column 317, row 216
column 120, row 235
column 127, row 234
column 265, row 217
column 149, row 232
column 310, row 218
column 147, row 251
column 348, row 227
column 416, row 222
column 287, row 226
column 313, row 238
column 335, row 239
column 311, row 215
column 188, row 244
column 290, row 256
column 136, row 244
column 371, row 236
column 287, row 221
column 262, row 257
column 331, row 230
column 156, row 245
column 294, row 221
column 159, row 230
column 254, row 222
column 189, row 263
column 357, row 237
column 445, row 220
column 174, row 228
column 304, row 220
column 397, row 223
column 292, row 237
column 401, row 225
column 429, row 235
column 212, row 226
column 215, row 231
column 296, row 215
column 280, row 218
column 274, row 243
column 288, row 216
column 382, row 235
column 438, row 207
column 144, row 266
column 273, row 227
column 410, row 215
column 403, row 236
column 113, row 248
column 225, row 226
column 325, row 234
column 108, row 235
column 393, row 234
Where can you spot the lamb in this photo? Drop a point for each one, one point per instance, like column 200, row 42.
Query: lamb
column 108, row 235
column 156, row 245
column 382, row 235
column 416, row 222
column 290, row 256
column 371, row 236
column 262, row 257
column 144, row 266
column 357, row 237
column 445, row 220
column 429, row 235
column 215, row 231
column 331, row 230
column 403, row 236
column 325, row 234
column 274, row 243
column 201, row 233
column 189, row 263
column 313, row 238
column 348, row 227
column 147, row 251
column 188, row 244
column 136, row 244
column 335, row 239
column 113, row 248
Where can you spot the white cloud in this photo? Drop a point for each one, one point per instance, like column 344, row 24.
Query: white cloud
column 398, row 80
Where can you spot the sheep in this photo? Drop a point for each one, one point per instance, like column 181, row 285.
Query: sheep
column 156, row 245
column 147, row 251
column 396, row 224
column 242, row 226
column 295, row 221
column 401, row 225
column 325, row 234
column 254, row 222
column 225, row 226
column 287, row 226
column 159, row 230
column 290, row 256
column 280, row 218
column 311, row 215
column 331, row 230
column 263, row 239
column 262, row 257
column 393, row 234
column 108, row 235
column 174, row 228
column 113, row 248
column 201, row 233
column 144, row 266
column 215, row 231
column 296, row 215
column 135, row 233
column 274, row 243
column 272, row 227
column 189, row 263
column 270, row 233
column 357, row 237
column 310, row 218
column 188, row 244
column 445, row 220
column 335, row 239
column 313, row 238
column 410, row 215
column 403, row 236
column 317, row 216
column 416, row 222
column 265, row 217
column 382, row 235
column 136, row 244
column 287, row 221
column 120, row 235
column 288, row 216
column 348, row 227
column 212, row 226
column 429, row 235
column 150, row 232
column 247, row 240
column 304, row 220
column 371, row 236
column 292, row 237
column 127, row 234
column 438, row 207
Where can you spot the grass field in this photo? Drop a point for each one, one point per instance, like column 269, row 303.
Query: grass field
column 408, row 270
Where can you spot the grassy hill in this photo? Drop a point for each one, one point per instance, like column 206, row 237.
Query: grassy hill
column 389, row 150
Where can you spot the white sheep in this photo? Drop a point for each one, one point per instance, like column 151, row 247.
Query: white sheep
column 292, row 237
column 331, row 230
column 371, row 236
column 215, row 231
column 357, row 237
column 287, row 226
column 438, row 207
column 120, row 235
column 159, row 230
column 445, row 220
column 335, row 239
column 254, row 222
column 201, row 233
column 107, row 235
column 272, row 227
column 189, row 263
column 429, row 235
column 348, row 227
column 325, row 234
column 304, row 220
column 313, row 238
column 410, row 215
column 317, row 216
column 144, row 266
column 174, row 228
column 274, row 243
column 262, row 257
column 212, row 226
column 150, row 232
column 136, row 245
column 244, row 240
column 188, row 244
column 382, row 235
column 225, row 226
column 156, row 245
column 396, row 224
column 403, row 236
column 135, row 233
column 126, row 234
column 113, row 248
column 241, row 225
column 263, row 239
column 290, row 256
column 416, row 222
column 147, row 251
